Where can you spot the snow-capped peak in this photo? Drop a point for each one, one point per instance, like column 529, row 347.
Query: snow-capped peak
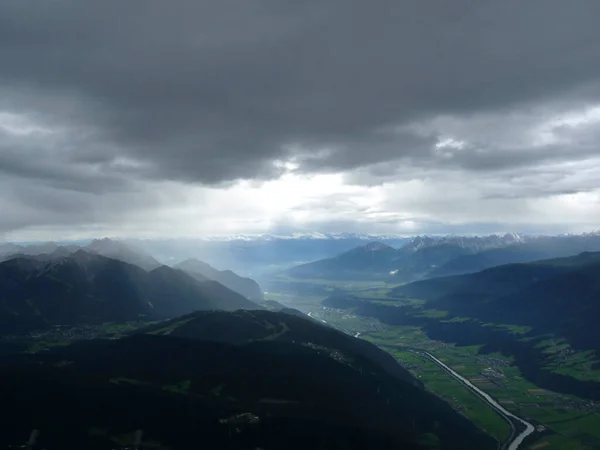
column 306, row 235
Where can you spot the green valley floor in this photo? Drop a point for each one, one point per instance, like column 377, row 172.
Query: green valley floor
column 563, row 421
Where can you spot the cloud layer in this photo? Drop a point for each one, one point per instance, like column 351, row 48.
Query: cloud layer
column 193, row 113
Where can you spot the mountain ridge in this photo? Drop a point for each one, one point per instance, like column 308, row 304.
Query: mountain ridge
column 89, row 288
column 528, row 251
column 425, row 257
column 538, row 294
column 204, row 271
column 123, row 252
column 338, row 400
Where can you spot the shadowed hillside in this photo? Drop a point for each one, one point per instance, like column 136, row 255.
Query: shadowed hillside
column 203, row 271
column 241, row 327
column 89, row 288
column 307, row 394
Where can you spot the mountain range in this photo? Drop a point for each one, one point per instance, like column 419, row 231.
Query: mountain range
column 371, row 261
column 557, row 296
column 123, row 252
column 542, row 247
column 306, row 236
column 258, row 256
column 212, row 348
column 105, row 247
column 203, row 272
column 427, row 257
column 85, row 287
column 230, row 381
column 137, row 256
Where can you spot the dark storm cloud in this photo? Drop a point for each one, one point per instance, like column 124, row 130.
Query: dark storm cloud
column 216, row 90
column 59, row 162
column 26, row 203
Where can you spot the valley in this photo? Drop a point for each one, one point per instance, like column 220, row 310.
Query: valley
column 109, row 347
column 433, row 363
column 539, row 378
column 206, row 352
column 300, row 225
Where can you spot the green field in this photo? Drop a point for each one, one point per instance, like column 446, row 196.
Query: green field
column 558, row 412
column 567, row 422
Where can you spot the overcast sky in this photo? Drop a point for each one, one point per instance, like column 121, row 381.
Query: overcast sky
column 205, row 117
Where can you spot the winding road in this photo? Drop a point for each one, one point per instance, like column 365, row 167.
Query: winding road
column 515, row 439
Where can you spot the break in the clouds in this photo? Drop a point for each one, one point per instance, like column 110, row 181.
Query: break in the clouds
column 218, row 116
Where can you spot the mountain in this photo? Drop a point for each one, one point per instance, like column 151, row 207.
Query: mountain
column 203, row 271
column 373, row 260
column 428, row 257
column 414, row 260
column 424, row 254
column 9, row 251
column 123, row 252
column 558, row 296
column 306, row 236
column 496, row 281
column 36, row 292
column 58, row 252
column 9, row 248
column 242, row 327
column 105, row 247
column 233, row 381
column 470, row 243
column 532, row 249
column 255, row 256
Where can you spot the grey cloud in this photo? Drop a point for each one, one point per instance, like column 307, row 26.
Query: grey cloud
column 34, row 205
column 517, row 182
column 493, row 159
column 53, row 162
column 504, row 146
column 545, row 181
column 210, row 91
